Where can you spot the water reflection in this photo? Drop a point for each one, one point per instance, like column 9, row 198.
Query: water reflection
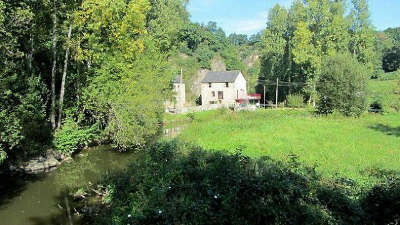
column 40, row 199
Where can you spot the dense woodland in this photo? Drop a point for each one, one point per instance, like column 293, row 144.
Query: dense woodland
column 76, row 73
column 79, row 73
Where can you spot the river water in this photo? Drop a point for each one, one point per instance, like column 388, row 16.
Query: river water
column 39, row 199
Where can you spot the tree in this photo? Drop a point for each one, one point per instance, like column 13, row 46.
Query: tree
column 64, row 76
column 362, row 35
column 342, row 86
column 53, row 68
column 275, row 44
column 204, row 56
column 165, row 20
column 394, row 34
column 124, row 94
column 21, row 91
column 391, row 59
column 238, row 39
column 308, row 57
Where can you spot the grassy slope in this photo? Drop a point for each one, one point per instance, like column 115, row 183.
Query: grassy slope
column 385, row 92
column 338, row 145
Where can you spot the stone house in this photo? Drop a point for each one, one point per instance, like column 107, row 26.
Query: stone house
column 224, row 88
column 179, row 89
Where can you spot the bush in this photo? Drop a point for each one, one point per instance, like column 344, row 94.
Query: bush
column 71, row 137
column 342, row 86
column 191, row 116
column 170, row 187
column 295, row 101
column 382, row 203
column 180, row 184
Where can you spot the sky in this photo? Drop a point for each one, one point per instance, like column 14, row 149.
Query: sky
column 250, row 16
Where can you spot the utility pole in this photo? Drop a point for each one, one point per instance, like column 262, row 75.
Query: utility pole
column 276, row 94
column 264, row 97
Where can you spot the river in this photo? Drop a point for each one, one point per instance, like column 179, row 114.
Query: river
column 39, row 199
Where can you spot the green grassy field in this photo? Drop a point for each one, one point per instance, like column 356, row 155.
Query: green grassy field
column 338, row 145
column 387, row 92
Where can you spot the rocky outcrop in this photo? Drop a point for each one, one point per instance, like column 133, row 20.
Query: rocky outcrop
column 218, row 64
column 251, row 60
column 45, row 163
column 195, row 86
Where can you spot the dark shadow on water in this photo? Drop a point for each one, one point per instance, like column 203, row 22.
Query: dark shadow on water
column 60, row 218
column 388, row 130
column 13, row 184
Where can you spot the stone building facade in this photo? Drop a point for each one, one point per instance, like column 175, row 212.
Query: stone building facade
column 178, row 105
column 223, row 88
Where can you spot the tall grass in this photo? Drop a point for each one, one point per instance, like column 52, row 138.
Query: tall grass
column 337, row 145
column 386, row 93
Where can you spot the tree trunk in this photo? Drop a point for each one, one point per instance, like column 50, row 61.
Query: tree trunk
column 53, row 70
column 30, row 55
column 62, row 90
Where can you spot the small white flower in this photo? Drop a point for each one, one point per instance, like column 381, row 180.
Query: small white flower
column 129, row 216
column 215, row 196
column 159, row 211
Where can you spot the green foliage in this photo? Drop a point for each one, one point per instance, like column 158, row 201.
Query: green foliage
column 382, row 203
column 131, row 73
column 295, row 101
column 232, row 59
column 342, row 86
column 71, row 137
column 191, row 116
column 390, row 76
column 204, row 56
column 386, row 92
column 130, row 107
column 238, row 39
column 207, row 188
column 165, row 20
column 183, row 184
column 391, row 59
column 394, row 34
column 297, row 40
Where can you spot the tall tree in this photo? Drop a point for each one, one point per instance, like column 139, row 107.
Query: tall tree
column 362, row 34
column 54, row 67
column 64, row 76
column 275, row 43
column 124, row 92
column 21, row 104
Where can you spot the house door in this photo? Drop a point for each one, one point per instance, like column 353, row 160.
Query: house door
column 220, row 95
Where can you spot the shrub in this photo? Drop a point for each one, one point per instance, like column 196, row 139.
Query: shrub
column 170, row 187
column 382, row 203
column 376, row 107
column 295, row 101
column 182, row 184
column 191, row 116
column 342, row 86
column 71, row 137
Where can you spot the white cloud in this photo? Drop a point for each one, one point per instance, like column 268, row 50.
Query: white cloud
column 249, row 26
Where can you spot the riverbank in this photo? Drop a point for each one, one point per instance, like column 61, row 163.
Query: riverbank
column 32, row 199
column 46, row 162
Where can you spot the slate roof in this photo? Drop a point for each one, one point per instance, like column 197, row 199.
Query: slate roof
column 221, row 77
